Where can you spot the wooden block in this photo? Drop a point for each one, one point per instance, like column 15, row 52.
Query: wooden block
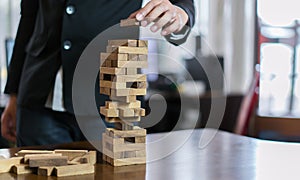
column 136, row 132
column 126, row 161
column 126, row 99
column 113, row 56
column 126, row 112
column 123, row 42
column 114, row 104
column 140, row 139
column 137, row 57
column 45, row 170
column 109, row 112
column 129, row 22
column 24, row 152
column 72, row 170
column 141, row 153
column 91, row 157
column 131, row 64
column 142, row 43
column 113, row 71
column 71, row 154
column 28, row 156
column 7, row 164
column 131, row 78
column 127, row 50
column 106, row 91
column 22, row 169
column 113, row 85
column 122, row 119
column 139, row 112
column 127, row 92
column 48, row 161
column 131, row 71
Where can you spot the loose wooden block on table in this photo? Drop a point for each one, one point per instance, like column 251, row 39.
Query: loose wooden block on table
column 28, row 156
column 73, row 170
column 129, row 22
column 22, row 169
column 7, row 164
column 22, row 153
column 71, row 154
column 45, row 170
column 48, row 161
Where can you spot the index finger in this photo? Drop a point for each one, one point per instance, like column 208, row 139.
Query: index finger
column 143, row 12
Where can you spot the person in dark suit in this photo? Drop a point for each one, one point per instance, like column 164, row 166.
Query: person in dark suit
column 51, row 36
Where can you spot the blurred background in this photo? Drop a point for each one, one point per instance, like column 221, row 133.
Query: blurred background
column 254, row 42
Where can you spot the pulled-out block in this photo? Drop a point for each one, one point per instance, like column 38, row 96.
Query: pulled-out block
column 22, row 169
column 129, row 22
column 71, row 154
column 123, row 42
column 48, row 161
column 7, row 164
column 73, row 170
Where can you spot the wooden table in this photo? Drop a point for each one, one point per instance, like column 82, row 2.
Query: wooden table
column 227, row 156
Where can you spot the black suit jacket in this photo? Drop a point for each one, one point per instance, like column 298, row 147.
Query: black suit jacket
column 45, row 26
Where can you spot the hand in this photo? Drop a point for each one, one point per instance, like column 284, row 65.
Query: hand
column 168, row 17
column 8, row 119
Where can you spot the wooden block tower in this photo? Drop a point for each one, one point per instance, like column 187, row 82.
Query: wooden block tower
column 121, row 81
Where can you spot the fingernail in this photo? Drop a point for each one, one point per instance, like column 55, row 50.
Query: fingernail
column 154, row 28
column 164, row 33
column 144, row 23
column 139, row 16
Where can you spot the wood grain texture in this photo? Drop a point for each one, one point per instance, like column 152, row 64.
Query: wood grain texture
column 74, row 170
column 7, row 164
column 48, row 161
column 22, row 169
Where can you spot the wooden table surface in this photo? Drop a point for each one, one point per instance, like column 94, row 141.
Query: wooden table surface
column 227, row 156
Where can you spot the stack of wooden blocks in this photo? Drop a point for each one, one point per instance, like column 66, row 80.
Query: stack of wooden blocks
column 121, row 80
column 60, row 162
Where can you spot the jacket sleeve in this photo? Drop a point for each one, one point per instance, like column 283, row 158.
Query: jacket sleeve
column 180, row 37
column 25, row 29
